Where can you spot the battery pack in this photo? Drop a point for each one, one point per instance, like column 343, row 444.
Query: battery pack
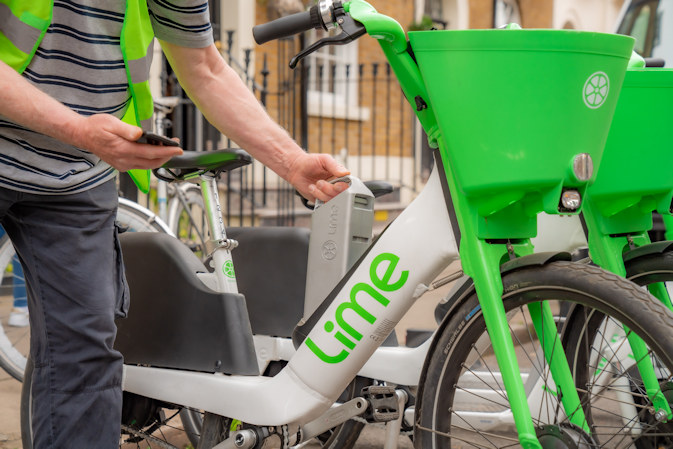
column 341, row 231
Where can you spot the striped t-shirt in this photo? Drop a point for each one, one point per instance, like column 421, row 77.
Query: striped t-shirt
column 79, row 62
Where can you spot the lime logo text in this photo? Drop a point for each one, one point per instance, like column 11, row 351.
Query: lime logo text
column 380, row 273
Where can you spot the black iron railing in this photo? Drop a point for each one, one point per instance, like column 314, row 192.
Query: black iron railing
column 369, row 127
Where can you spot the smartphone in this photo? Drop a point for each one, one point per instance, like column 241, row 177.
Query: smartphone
column 156, row 139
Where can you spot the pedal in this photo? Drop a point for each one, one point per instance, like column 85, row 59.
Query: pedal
column 383, row 405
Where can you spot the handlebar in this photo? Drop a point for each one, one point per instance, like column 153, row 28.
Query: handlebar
column 355, row 18
column 288, row 25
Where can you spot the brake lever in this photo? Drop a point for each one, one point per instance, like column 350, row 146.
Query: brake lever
column 350, row 31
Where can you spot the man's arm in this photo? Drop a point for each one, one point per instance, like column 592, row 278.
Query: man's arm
column 230, row 106
column 104, row 135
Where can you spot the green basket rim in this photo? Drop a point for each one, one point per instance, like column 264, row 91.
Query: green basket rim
column 531, row 40
column 653, row 77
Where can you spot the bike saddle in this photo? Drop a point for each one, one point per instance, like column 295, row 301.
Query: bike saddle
column 190, row 162
column 379, row 188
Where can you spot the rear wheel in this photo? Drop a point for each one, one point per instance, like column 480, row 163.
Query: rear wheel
column 188, row 220
column 14, row 339
column 462, row 402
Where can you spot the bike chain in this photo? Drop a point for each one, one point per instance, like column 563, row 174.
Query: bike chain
column 286, row 436
column 147, row 437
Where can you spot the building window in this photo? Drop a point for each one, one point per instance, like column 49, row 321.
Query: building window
column 333, row 79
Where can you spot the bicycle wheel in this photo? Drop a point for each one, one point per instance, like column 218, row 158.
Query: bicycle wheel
column 188, row 220
column 136, row 218
column 462, row 403
column 646, row 271
column 14, row 340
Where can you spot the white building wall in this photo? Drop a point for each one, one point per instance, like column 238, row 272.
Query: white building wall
column 586, row 15
column 455, row 11
column 238, row 15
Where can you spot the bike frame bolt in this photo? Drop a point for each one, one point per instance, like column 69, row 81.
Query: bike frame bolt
column 583, row 167
column 239, row 440
column 660, row 415
column 571, row 199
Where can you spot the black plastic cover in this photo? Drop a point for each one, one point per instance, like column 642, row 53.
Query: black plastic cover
column 175, row 321
column 270, row 265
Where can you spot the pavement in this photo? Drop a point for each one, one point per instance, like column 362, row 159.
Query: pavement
column 420, row 316
column 10, row 427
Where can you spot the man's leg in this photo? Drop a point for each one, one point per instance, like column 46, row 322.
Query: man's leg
column 71, row 260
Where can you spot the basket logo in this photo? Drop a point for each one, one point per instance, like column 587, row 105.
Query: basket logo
column 596, row 90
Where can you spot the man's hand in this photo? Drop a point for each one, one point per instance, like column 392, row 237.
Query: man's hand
column 309, row 174
column 114, row 142
column 103, row 135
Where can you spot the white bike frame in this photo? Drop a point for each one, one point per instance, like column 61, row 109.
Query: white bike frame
column 402, row 365
column 368, row 306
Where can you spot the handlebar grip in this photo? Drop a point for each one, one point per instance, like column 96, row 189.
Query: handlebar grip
column 655, row 62
column 287, row 26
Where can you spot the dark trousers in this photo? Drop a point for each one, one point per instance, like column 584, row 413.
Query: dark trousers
column 69, row 249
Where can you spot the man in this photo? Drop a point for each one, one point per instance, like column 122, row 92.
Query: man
column 72, row 70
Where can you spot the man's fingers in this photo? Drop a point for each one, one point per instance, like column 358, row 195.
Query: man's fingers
column 143, row 163
column 158, row 151
column 324, row 191
column 334, row 168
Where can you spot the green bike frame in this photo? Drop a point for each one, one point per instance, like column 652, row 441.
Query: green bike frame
column 520, row 117
column 634, row 180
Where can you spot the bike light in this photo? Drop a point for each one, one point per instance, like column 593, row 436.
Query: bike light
column 583, row 166
column 571, row 199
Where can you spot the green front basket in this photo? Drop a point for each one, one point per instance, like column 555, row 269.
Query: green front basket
column 636, row 174
column 516, row 106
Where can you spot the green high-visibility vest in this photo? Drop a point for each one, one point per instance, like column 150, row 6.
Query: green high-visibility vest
column 23, row 24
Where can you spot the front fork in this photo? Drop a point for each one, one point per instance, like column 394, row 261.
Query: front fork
column 481, row 260
column 607, row 252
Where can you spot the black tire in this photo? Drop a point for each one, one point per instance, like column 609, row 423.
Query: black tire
column 646, row 271
column 215, row 430
column 462, row 346
column 133, row 217
column 649, row 269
